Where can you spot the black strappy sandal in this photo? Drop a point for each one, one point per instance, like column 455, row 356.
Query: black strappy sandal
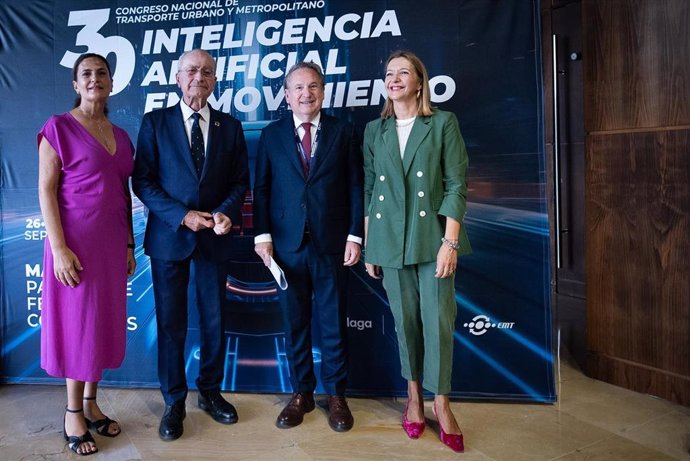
column 102, row 426
column 74, row 441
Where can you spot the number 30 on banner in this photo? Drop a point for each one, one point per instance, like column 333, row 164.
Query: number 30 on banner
column 88, row 36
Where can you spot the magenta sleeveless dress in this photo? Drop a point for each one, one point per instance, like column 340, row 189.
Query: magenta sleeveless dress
column 83, row 328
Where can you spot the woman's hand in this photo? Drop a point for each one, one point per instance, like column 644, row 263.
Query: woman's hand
column 447, row 257
column 66, row 267
column 446, row 262
column 131, row 262
column 373, row 271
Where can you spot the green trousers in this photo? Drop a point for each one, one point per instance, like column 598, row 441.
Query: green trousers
column 424, row 310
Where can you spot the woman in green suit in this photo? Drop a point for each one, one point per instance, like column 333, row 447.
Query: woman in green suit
column 415, row 197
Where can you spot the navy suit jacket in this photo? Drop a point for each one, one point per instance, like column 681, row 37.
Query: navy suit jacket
column 330, row 200
column 166, row 181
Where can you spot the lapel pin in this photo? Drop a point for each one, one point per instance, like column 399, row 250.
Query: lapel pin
column 216, row 123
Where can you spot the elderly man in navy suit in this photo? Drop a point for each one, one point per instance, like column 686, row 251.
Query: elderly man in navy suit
column 191, row 173
column 308, row 216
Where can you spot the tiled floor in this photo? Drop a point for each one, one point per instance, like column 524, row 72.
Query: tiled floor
column 591, row 421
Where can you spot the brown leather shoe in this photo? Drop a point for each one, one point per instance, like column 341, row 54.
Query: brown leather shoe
column 340, row 418
column 293, row 413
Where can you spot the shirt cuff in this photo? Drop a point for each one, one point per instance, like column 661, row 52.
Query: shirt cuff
column 262, row 238
column 354, row 238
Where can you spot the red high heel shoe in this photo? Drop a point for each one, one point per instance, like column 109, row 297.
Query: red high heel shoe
column 412, row 429
column 453, row 441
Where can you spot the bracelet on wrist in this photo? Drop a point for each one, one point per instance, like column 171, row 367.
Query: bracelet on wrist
column 452, row 244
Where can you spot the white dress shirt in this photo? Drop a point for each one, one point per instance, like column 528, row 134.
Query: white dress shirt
column 204, row 121
column 299, row 129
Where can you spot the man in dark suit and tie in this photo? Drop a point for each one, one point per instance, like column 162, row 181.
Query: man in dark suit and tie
column 191, row 173
column 308, row 215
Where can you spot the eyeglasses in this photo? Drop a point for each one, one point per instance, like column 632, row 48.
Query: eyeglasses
column 192, row 71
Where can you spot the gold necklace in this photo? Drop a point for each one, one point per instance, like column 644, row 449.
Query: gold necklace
column 102, row 138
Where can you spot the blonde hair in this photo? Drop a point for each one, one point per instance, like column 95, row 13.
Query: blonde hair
column 423, row 96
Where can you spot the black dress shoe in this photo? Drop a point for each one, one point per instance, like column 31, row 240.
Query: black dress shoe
column 340, row 418
column 293, row 413
column 171, row 423
column 215, row 405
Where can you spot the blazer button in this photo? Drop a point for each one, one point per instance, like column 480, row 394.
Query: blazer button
column 420, row 193
column 381, row 198
column 420, row 174
column 378, row 215
column 382, row 178
column 422, row 213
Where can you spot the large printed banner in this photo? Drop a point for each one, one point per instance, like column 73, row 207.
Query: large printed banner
column 483, row 61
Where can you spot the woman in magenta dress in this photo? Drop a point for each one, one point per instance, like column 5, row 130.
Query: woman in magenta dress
column 84, row 167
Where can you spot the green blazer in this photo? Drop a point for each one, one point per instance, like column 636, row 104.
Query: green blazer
column 408, row 199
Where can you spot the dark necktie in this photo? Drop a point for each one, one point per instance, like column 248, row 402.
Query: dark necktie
column 197, row 144
column 306, row 148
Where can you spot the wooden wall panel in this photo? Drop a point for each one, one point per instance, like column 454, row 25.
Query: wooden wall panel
column 638, row 261
column 647, row 380
column 636, row 63
column 637, row 120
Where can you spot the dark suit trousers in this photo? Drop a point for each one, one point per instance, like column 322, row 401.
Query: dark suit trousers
column 170, row 284
column 324, row 277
